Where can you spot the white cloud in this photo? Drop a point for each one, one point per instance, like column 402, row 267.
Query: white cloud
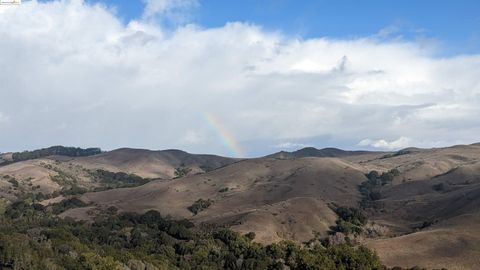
column 290, row 145
column 107, row 84
column 400, row 143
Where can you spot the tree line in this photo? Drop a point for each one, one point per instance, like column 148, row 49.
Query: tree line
column 55, row 150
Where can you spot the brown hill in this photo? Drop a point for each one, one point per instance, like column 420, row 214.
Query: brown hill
column 325, row 152
column 152, row 164
column 429, row 213
column 451, row 244
column 430, row 206
column 278, row 199
column 434, row 205
column 55, row 173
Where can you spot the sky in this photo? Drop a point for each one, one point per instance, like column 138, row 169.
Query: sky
column 239, row 78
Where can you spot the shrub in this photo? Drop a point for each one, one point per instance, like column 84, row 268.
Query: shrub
column 14, row 182
column 250, row 235
column 225, row 189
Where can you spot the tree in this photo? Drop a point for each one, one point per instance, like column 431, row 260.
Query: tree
column 181, row 171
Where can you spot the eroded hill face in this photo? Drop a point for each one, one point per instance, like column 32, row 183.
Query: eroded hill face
column 429, row 206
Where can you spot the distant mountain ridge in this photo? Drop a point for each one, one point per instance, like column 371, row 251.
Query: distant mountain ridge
column 314, row 152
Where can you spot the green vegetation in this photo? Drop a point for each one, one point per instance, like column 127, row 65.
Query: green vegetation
column 106, row 179
column 3, row 205
column 384, row 178
column 62, row 178
column 225, row 189
column 200, row 205
column 32, row 238
column 250, row 236
column 399, row 153
column 370, row 189
column 350, row 220
column 110, row 180
column 64, row 205
column 14, row 182
column 56, row 150
column 73, row 190
column 206, row 168
column 182, row 171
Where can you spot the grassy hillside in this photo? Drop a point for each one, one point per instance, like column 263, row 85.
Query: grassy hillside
column 418, row 203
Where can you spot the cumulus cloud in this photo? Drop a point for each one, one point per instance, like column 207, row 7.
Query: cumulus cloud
column 74, row 74
column 401, row 142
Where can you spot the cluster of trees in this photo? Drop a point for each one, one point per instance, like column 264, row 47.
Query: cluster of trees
column 370, row 189
column 182, row 171
column 110, row 180
column 72, row 190
column 399, row 153
column 350, row 220
column 35, row 239
column 106, row 179
column 200, row 205
column 384, row 178
column 24, row 208
column 66, row 204
column 55, row 150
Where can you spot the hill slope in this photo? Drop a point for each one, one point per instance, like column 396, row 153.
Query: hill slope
column 153, row 164
column 314, row 152
column 426, row 203
column 277, row 199
column 51, row 174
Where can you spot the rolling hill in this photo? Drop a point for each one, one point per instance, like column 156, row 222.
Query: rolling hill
column 55, row 173
column 425, row 210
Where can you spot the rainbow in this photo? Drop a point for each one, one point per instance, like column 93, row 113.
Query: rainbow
column 225, row 135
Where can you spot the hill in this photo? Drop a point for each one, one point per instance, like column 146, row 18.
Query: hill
column 153, row 164
column 52, row 175
column 418, row 203
column 267, row 196
column 314, row 152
